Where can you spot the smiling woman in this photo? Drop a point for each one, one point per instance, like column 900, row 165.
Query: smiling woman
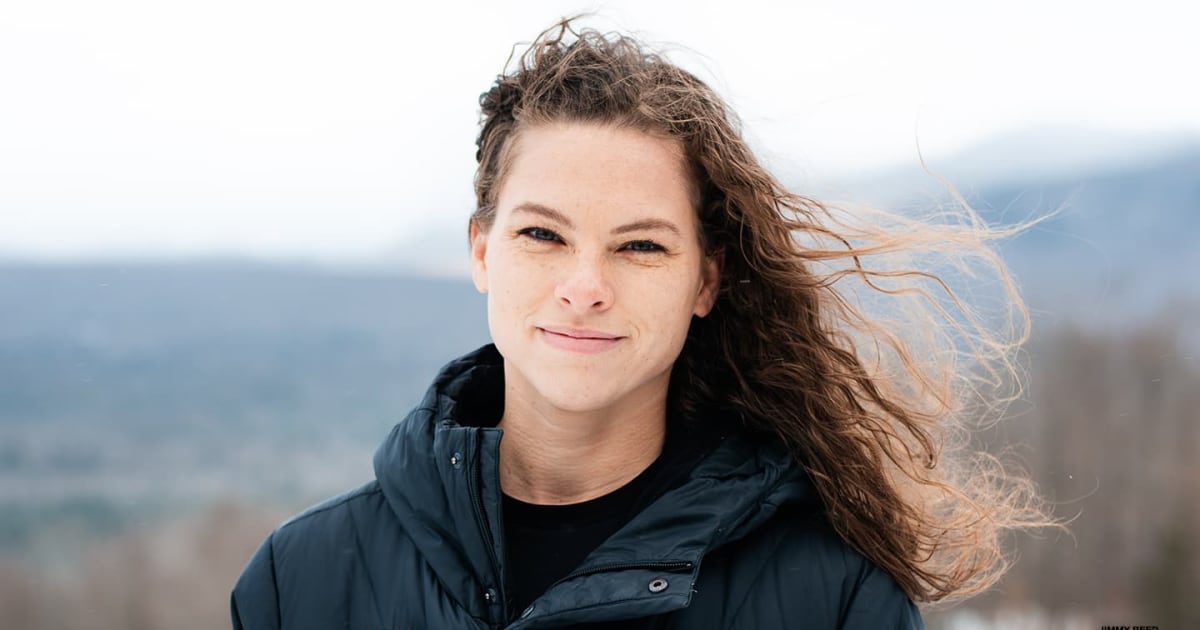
column 680, row 423
column 594, row 268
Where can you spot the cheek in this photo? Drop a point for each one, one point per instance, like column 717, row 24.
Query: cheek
column 665, row 301
column 516, row 284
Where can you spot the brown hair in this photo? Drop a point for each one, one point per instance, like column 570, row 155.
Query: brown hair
column 874, row 407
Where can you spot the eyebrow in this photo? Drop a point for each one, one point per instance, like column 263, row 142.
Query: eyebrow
column 555, row 215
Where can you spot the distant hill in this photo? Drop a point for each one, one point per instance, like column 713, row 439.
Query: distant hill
column 1127, row 241
column 1029, row 156
column 127, row 390
column 130, row 343
column 1124, row 241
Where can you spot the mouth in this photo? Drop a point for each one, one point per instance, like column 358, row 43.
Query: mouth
column 579, row 333
column 579, row 340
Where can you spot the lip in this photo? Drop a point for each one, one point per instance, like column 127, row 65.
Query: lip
column 579, row 333
column 578, row 339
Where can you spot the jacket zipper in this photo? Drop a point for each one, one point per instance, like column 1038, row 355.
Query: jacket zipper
column 476, row 488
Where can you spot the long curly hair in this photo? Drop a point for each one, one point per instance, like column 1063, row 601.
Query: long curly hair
column 875, row 387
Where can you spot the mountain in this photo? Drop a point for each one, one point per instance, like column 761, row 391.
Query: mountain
column 1121, row 245
column 127, row 390
column 1027, row 156
column 1126, row 240
column 130, row 391
column 1124, row 237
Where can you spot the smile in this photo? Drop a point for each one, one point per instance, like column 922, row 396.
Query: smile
column 575, row 340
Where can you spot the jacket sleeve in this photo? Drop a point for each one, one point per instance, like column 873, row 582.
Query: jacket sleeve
column 878, row 603
column 254, row 603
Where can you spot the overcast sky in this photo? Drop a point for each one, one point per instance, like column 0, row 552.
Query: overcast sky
column 335, row 131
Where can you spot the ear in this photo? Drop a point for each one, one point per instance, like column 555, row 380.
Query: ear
column 478, row 256
column 710, row 274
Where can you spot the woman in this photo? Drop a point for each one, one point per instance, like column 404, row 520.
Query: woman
column 678, row 424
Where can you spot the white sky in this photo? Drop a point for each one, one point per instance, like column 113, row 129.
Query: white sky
column 335, row 131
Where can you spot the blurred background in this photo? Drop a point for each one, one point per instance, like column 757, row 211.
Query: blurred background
column 233, row 243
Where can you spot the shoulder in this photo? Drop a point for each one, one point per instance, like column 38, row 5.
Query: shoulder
column 343, row 513
column 345, row 524
column 309, row 554
column 323, row 524
column 796, row 571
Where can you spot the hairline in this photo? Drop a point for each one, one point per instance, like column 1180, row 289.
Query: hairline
column 507, row 153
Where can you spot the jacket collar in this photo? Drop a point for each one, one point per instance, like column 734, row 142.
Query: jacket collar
column 439, row 471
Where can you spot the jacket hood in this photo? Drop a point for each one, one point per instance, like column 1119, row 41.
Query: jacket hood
column 439, row 472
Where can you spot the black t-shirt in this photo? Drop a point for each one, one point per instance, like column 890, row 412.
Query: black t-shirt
column 546, row 542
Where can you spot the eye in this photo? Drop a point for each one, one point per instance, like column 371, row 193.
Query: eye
column 539, row 234
column 643, row 246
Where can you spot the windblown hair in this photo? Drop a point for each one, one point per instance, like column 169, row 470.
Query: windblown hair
column 876, row 408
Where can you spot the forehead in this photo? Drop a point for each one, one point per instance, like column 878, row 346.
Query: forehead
column 593, row 168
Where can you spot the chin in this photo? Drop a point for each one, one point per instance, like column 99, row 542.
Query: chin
column 579, row 397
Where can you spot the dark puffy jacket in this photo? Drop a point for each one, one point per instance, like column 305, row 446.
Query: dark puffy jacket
column 742, row 543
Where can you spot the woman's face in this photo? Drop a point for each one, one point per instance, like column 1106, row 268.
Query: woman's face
column 593, row 266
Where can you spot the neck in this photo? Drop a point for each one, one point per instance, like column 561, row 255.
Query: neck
column 554, row 457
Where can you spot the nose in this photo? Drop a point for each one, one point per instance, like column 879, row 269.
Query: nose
column 585, row 286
